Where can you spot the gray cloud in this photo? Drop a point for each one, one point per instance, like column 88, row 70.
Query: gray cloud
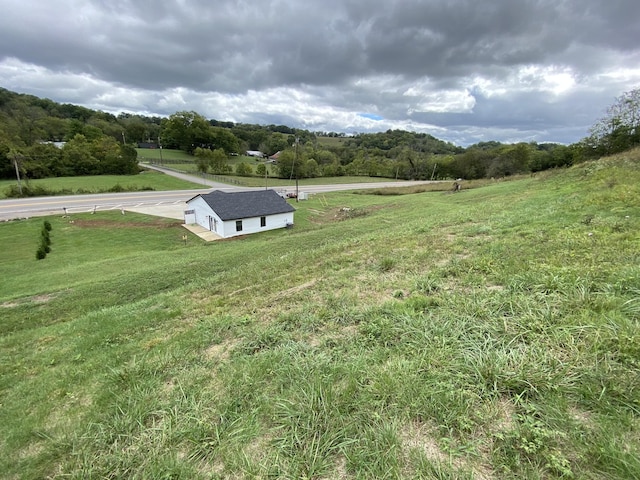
column 460, row 69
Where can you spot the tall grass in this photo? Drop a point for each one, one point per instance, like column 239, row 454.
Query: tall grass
column 488, row 334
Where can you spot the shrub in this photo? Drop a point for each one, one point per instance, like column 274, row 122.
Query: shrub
column 27, row 191
column 117, row 188
column 45, row 241
column 243, row 169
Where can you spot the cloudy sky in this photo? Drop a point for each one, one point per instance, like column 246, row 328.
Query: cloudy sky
column 462, row 70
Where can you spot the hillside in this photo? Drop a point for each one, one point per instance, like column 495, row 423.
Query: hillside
column 490, row 333
column 99, row 143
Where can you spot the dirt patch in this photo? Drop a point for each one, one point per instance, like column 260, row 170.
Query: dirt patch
column 340, row 470
column 42, row 298
column 298, row 288
column 101, row 223
column 419, row 436
column 220, row 351
column 36, row 299
column 505, row 414
column 582, row 417
column 422, row 437
column 340, row 214
column 495, row 288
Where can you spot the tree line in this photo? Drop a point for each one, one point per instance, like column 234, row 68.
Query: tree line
column 94, row 143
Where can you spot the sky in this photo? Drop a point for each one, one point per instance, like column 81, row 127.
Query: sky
column 464, row 71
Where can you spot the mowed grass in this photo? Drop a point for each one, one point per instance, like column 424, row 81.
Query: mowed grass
column 491, row 333
column 182, row 162
column 148, row 154
column 146, row 180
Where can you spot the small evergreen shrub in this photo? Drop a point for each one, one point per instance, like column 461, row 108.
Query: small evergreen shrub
column 45, row 241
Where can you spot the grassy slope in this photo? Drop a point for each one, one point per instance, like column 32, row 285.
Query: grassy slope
column 487, row 334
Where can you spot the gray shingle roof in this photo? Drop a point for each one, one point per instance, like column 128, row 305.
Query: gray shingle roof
column 238, row 205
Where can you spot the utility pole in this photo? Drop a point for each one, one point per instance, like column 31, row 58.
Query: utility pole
column 297, row 140
column 15, row 164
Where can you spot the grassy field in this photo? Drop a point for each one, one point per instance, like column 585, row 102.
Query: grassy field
column 332, row 141
column 182, row 162
column 146, row 154
column 147, row 180
column 257, row 181
column 492, row 333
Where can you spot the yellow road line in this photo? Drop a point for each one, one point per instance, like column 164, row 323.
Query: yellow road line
column 58, row 201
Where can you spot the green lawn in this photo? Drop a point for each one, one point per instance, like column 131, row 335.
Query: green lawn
column 491, row 333
column 147, row 154
column 147, row 180
column 183, row 162
column 272, row 181
column 331, row 141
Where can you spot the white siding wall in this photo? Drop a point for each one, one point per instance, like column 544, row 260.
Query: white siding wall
column 205, row 217
column 252, row 225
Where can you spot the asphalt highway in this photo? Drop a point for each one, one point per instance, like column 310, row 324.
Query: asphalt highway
column 59, row 205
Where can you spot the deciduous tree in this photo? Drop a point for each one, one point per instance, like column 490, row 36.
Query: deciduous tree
column 619, row 129
column 187, row 131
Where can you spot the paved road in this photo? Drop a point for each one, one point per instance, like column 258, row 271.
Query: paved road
column 58, row 205
column 40, row 206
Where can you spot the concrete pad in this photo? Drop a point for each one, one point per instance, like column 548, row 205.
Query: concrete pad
column 171, row 210
column 203, row 233
column 176, row 210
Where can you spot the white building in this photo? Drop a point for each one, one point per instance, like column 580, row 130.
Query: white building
column 239, row 213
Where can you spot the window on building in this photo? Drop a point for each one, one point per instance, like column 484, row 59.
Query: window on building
column 238, row 225
column 263, row 221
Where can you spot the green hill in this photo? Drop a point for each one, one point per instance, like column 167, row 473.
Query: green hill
column 490, row 333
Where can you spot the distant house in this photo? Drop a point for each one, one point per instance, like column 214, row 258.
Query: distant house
column 239, row 213
column 254, row 153
column 55, row 144
column 147, row 145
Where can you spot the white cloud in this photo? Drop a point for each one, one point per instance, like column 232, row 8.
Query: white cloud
column 427, row 99
column 465, row 71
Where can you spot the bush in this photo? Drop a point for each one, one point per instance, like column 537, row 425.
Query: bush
column 37, row 191
column 243, row 169
column 45, row 241
column 27, row 191
column 117, row 188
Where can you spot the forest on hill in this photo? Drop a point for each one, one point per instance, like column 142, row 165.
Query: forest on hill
column 40, row 138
